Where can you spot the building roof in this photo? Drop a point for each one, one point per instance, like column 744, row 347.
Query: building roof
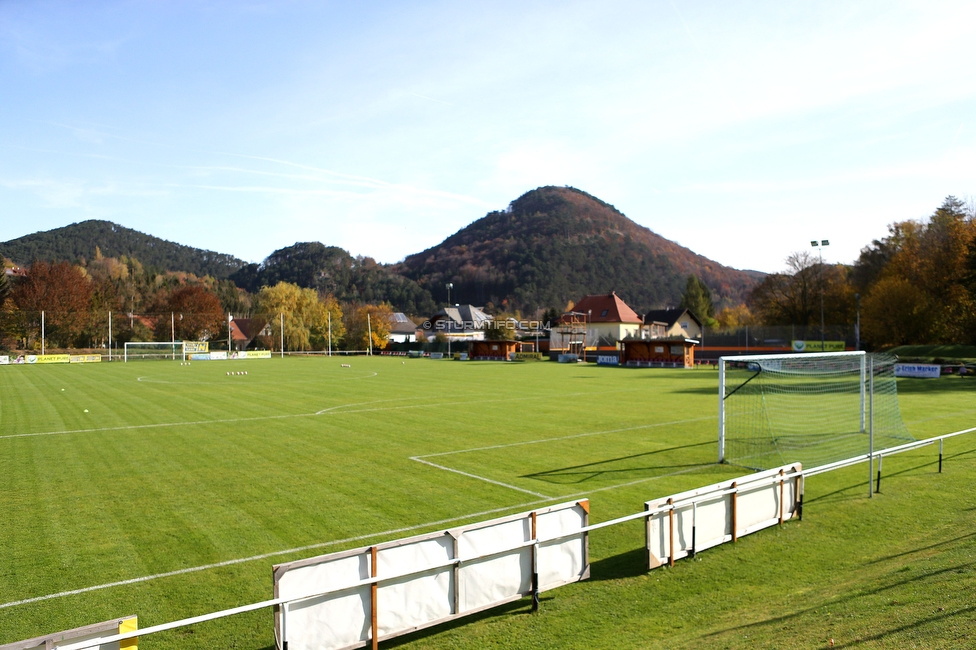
column 669, row 316
column 245, row 329
column 401, row 324
column 462, row 318
column 606, row 308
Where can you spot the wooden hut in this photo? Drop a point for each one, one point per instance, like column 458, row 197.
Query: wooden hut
column 491, row 350
column 674, row 352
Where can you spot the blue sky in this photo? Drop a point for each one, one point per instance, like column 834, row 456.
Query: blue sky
column 740, row 130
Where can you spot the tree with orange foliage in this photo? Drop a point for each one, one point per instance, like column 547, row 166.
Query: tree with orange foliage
column 197, row 313
column 63, row 293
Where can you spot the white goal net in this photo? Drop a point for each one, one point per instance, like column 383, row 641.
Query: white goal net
column 154, row 350
column 807, row 408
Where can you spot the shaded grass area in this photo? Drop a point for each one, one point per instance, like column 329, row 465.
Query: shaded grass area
column 302, row 452
column 955, row 352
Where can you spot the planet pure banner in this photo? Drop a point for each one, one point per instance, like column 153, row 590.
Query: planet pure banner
column 49, row 358
column 814, row 346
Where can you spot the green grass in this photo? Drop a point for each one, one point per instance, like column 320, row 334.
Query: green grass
column 175, row 467
column 955, row 352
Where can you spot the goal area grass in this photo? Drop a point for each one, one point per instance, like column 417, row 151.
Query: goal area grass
column 168, row 490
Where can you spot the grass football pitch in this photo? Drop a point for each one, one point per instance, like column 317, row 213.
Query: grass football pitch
column 168, row 491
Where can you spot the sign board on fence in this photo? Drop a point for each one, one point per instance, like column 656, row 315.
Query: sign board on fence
column 205, row 356
column 607, row 360
column 568, row 358
column 699, row 519
column 4, row 360
column 526, row 356
column 815, row 346
column 85, row 358
column 436, row 355
column 196, row 346
column 923, row 370
column 256, row 354
column 221, row 355
column 48, row 358
column 433, row 578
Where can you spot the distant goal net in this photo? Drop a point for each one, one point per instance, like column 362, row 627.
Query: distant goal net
column 809, row 408
column 154, row 351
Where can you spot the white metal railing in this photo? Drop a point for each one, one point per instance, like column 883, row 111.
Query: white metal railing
column 534, row 543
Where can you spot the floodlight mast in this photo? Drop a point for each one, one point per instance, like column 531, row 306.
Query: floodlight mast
column 450, row 320
column 819, row 246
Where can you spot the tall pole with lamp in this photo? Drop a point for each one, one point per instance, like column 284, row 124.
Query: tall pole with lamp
column 450, row 321
column 819, row 246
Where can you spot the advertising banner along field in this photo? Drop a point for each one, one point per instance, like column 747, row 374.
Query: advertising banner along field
column 344, row 600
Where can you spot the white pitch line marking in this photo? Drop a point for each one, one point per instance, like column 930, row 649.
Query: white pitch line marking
column 336, row 542
column 480, row 478
column 263, row 556
column 570, row 437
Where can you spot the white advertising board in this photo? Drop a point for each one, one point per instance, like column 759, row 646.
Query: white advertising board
column 719, row 513
column 922, row 370
column 4, row 360
column 432, row 578
column 218, row 356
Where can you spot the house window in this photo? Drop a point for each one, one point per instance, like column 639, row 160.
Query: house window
column 684, row 325
column 604, row 312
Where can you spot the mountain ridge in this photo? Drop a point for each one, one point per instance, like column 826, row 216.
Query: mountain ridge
column 550, row 246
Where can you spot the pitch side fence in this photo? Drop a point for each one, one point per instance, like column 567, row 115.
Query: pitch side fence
column 356, row 598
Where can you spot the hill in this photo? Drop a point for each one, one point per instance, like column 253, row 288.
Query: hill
column 79, row 240
column 555, row 244
column 331, row 269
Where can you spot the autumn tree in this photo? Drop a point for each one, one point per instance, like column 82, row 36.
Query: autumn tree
column 794, row 297
column 63, row 293
column 921, row 293
column 734, row 317
column 197, row 313
column 306, row 316
column 359, row 327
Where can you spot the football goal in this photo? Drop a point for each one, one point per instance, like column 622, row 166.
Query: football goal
column 809, row 408
column 154, row 350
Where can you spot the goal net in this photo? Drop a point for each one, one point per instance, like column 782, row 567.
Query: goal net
column 154, row 350
column 809, row 408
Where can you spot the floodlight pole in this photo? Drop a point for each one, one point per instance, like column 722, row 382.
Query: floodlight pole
column 330, row 333
column 229, row 319
column 857, row 325
column 369, row 332
column 42, row 331
column 819, row 246
column 450, row 285
column 110, row 336
column 282, row 351
column 172, row 329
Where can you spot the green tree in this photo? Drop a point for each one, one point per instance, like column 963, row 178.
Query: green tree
column 697, row 299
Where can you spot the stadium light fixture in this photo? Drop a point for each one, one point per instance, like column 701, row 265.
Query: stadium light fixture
column 819, row 246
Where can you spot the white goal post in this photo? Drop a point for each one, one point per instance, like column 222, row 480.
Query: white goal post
column 154, row 350
column 776, row 360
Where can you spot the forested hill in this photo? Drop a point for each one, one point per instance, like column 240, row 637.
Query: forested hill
column 556, row 244
column 79, row 240
column 331, row 269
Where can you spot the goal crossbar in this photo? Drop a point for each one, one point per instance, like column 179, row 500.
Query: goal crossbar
column 170, row 349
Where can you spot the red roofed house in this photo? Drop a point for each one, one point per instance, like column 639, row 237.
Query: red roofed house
column 605, row 318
